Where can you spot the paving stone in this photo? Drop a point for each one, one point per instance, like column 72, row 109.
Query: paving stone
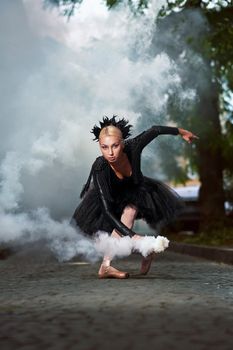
column 183, row 303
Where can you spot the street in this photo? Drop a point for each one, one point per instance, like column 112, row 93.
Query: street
column 183, row 303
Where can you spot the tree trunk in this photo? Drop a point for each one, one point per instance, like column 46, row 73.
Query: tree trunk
column 211, row 195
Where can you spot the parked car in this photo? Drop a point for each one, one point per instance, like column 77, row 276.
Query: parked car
column 189, row 218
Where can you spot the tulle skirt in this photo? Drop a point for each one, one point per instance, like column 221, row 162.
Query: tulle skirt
column 156, row 202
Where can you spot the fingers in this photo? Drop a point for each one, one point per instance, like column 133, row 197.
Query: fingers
column 193, row 137
column 189, row 137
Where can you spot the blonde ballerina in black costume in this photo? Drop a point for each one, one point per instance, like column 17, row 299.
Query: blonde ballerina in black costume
column 119, row 193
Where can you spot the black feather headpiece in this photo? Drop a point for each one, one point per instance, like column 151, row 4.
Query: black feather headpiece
column 121, row 124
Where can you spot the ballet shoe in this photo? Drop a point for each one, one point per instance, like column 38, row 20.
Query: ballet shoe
column 111, row 272
column 146, row 263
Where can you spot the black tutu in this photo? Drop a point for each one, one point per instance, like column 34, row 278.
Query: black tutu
column 156, row 202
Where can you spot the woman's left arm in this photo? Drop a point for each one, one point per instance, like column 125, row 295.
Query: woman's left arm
column 148, row 135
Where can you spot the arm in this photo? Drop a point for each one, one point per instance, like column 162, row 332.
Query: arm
column 100, row 184
column 147, row 136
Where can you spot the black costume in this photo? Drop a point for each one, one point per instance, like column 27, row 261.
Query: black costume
column 106, row 197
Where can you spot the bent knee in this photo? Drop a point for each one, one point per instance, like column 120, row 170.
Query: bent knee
column 130, row 210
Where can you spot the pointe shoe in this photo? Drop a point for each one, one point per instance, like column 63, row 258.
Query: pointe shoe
column 111, row 272
column 146, row 263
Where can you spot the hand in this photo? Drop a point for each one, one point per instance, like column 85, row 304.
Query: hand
column 187, row 135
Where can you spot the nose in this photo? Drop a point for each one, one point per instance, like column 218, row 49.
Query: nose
column 110, row 151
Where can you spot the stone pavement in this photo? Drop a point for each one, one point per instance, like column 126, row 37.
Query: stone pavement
column 183, row 303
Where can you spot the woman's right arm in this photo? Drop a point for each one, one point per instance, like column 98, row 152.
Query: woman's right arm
column 101, row 186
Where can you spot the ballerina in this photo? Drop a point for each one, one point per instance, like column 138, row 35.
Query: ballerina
column 120, row 193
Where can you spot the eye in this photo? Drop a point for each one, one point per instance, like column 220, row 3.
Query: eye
column 116, row 145
column 104, row 147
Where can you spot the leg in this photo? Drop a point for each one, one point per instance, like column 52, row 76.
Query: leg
column 146, row 263
column 128, row 216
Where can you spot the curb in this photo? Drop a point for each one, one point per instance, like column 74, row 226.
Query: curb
column 219, row 254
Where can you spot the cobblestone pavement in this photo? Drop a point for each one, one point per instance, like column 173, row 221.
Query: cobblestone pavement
column 183, row 303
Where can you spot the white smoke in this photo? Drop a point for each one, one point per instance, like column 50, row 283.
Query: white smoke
column 66, row 76
column 115, row 247
column 63, row 239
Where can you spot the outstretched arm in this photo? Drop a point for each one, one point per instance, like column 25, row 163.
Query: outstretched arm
column 148, row 135
column 100, row 184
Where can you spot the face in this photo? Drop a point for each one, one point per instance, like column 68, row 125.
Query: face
column 111, row 148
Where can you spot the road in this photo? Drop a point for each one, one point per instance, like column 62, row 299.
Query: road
column 183, row 303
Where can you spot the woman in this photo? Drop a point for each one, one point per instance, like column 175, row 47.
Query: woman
column 120, row 193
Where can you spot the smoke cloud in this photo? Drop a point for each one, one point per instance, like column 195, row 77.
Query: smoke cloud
column 58, row 79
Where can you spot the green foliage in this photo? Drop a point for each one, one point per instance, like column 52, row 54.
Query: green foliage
column 218, row 44
column 68, row 6
column 218, row 237
column 216, row 49
column 227, row 143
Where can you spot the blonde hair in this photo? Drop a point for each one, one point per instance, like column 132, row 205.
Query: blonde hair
column 111, row 130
